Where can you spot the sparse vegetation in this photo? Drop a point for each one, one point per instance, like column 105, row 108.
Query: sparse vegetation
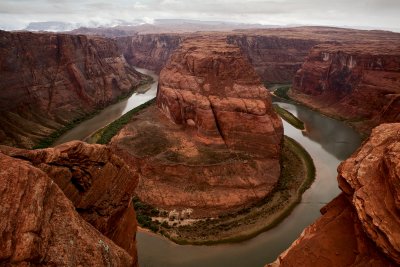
column 105, row 134
column 289, row 117
column 282, row 92
column 49, row 140
column 297, row 174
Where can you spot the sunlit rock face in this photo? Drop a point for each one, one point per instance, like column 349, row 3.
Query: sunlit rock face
column 361, row 227
column 51, row 80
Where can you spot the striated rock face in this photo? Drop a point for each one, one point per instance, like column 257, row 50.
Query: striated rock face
column 50, row 80
column 214, row 143
column 276, row 59
column 99, row 184
column 150, row 51
column 361, row 227
column 210, row 86
column 40, row 227
column 357, row 82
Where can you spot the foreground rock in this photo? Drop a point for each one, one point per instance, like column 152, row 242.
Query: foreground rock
column 359, row 83
column 214, row 144
column 51, row 80
column 40, row 227
column 361, row 227
column 98, row 183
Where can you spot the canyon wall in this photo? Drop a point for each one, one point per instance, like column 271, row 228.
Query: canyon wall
column 150, row 51
column 50, row 80
column 213, row 145
column 361, row 227
column 66, row 206
column 276, row 59
column 358, row 82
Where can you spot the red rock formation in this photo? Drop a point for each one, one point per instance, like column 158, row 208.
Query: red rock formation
column 276, row 59
column 49, row 80
column 99, row 184
column 150, row 51
column 210, row 86
column 361, row 227
column 276, row 54
column 357, row 82
column 40, row 227
column 218, row 147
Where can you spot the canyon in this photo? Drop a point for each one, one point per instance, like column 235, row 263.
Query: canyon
column 361, row 226
column 359, row 83
column 210, row 146
column 214, row 126
column 50, row 81
column 339, row 72
column 82, row 215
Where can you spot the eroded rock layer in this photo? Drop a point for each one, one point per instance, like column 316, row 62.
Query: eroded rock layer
column 357, row 82
column 39, row 225
column 214, row 143
column 50, row 80
column 361, row 227
column 99, row 184
column 150, row 51
column 210, row 86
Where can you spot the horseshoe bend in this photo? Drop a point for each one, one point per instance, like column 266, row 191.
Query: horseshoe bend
column 211, row 146
column 198, row 154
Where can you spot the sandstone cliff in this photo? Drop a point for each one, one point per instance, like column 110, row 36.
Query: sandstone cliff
column 150, row 51
column 276, row 59
column 361, row 227
column 50, row 80
column 356, row 82
column 39, row 226
column 98, row 183
column 214, row 144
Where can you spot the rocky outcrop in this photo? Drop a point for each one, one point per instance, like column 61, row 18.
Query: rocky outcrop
column 214, row 143
column 361, row 227
column 359, row 83
column 150, row 51
column 51, row 80
column 276, row 59
column 39, row 226
column 98, row 183
column 210, row 86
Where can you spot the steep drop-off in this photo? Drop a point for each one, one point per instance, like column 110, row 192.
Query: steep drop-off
column 359, row 83
column 50, row 80
column 361, row 227
column 214, row 144
column 276, row 54
column 276, row 59
column 40, row 226
column 150, row 51
column 99, row 184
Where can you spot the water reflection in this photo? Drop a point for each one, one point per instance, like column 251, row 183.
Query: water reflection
column 328, row 142
column 110, row 113
column 329, row 133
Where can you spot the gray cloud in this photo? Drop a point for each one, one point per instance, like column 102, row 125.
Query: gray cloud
column 16, row 14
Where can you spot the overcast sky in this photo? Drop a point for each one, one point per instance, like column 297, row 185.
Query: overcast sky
column 16, row 14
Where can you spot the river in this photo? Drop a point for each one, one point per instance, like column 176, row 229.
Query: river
column 328, row 141
column 110, row 113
